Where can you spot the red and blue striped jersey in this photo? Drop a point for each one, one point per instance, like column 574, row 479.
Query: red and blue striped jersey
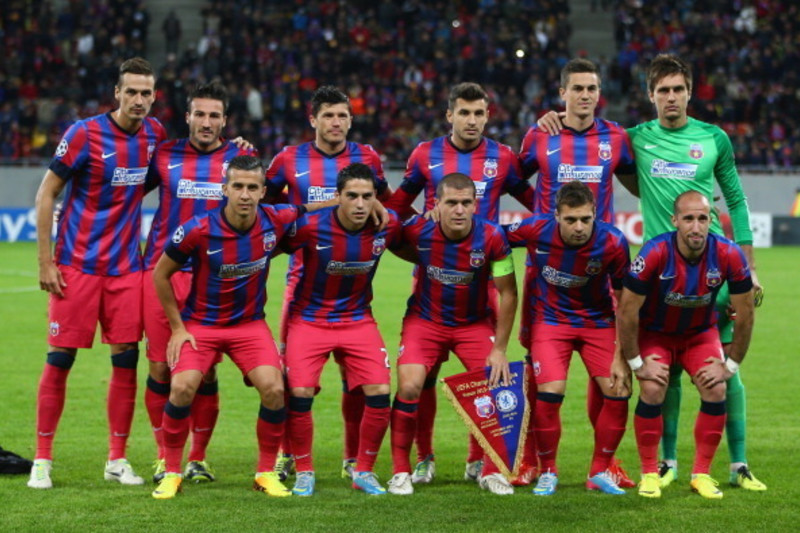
column 572, row 285
column 309, row 175
column 452, row 286
column 494, row 167
column 338, row 266
column 229, row 268
column 680, row 295
column 105, row 168
column 189, row 184
column 590, row 156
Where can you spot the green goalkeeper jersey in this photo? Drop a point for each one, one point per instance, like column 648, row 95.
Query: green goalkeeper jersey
column 672, row 161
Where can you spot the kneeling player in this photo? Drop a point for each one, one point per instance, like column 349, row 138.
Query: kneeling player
column 449, row 311
column 579, row 260
column 230, row 249
column 330, row 312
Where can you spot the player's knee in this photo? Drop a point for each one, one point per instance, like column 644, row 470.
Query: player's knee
column 60, row 360
column 714, row 393
column 652, row 392
column 302, row 392
column 126, row 359
column 182, row 392
column 159, row 371
column 409, row 392
column 272, row 394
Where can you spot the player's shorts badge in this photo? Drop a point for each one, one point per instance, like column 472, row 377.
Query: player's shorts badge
column 477, row 258
column 506, row 401
column 594, row 266
column 490, row 168
column 537, row 368
column 713, row 278
column 55, row 329
column 696, row 151
column 378, row 246
column 604, row 151
column 484, row 406
column 269, row 241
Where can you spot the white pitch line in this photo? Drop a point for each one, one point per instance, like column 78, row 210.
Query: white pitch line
column 13, row 290
column 24, row 273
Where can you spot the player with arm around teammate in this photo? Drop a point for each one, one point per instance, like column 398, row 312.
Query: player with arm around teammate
column 667, row 316
column 449, row 311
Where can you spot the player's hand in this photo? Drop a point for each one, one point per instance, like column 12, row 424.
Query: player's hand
column 175, row 344
column 242, row 143
column 432, row 214
column 712, row 374
column 500, row 373
column 380, row 215
column 620, row 376
column 758, row 289
column 552, row 122
column 653, row 370
column 51, row 280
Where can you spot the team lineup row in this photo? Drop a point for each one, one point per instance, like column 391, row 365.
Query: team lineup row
column 107, row 163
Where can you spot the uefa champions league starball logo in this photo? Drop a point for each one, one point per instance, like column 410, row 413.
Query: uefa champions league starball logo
column 61, row 151
column 178, row 236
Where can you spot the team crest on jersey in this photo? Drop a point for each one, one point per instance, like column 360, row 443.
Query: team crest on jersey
column 484, row 406
column 713, row 278
column 506, row 401
column 604, row 150
column 696, row 151
column 62, row 148
column 594, row 266
column 178, row 236
column 490, row 168
column 378, row 246
column 637, row 265
column 150, row 149
column 269, row 241
column 477, row 258
column 55, row 329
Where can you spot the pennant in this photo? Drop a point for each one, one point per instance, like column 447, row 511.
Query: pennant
column 497, row 417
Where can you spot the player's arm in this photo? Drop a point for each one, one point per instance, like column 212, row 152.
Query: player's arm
column 631, row 182
column 552, row 122
column 620, row 371
column 50, row 278
column 165, row 269
column 506, row 283
column 628, row 333
column 718, row 371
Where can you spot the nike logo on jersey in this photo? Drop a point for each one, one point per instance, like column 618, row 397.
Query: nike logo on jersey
column 212, row 252
column 324, row 247
column 650, row 146
column 662, row 276
column 176, row 165
column 298, row 174
column 551, row 152
column 106, row 156
column 437, row 165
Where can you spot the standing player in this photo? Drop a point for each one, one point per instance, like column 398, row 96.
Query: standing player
column 578, row 260
column 449, row 311
column 494, row 167
column 590, row 150
column 230, row 249
column 189, row 174
column 329, row 312
column 95, row 273
column 309, row 172
column 676, row 153
column 667, row 316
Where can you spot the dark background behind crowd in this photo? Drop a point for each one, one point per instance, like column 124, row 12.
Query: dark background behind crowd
column 397, row 61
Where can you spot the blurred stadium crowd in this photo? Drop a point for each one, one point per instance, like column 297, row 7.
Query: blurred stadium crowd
column 397, row 61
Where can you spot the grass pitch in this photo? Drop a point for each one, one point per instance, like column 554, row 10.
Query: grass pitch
column 82, row 501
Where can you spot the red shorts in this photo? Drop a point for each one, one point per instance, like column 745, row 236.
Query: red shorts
column 114, row 301
column 426, row 343
column 249, row 345
column 552, row 346
column 156, row 325
column 356, row 346
column 689, row 351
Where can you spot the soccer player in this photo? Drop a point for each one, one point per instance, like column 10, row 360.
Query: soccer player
column 230, row 250
column 590, row 150
column 449, row 311
column 329, row 312
column 494, row 167
column 666, row 316
column 676, row 153
column 95, row 273
column 309, row 172
column 578, row 260
column 189, row 174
